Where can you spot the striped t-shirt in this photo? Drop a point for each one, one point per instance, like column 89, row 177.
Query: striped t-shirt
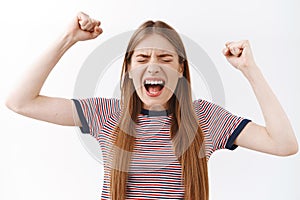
column 154, row 172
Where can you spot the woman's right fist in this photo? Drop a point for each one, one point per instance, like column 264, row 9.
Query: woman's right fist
column 84, row 28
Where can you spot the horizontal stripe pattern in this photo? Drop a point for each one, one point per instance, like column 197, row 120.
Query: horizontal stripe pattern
column 154, row 172
column 216, row 123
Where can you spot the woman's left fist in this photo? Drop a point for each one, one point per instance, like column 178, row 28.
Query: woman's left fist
column 239, row 54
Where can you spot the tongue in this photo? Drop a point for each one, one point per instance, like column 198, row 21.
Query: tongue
column 154, row 88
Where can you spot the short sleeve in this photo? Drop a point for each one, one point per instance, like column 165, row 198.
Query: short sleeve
column 219, row 126
column 94, row 112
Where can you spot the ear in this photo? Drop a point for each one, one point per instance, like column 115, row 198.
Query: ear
column 129, row 71
column 180, row 70
column 129, row 74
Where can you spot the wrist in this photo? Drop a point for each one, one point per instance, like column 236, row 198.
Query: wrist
column 251, row 72
column 68, row 40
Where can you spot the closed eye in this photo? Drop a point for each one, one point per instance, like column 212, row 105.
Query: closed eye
column 142, row 58
column 166, row 57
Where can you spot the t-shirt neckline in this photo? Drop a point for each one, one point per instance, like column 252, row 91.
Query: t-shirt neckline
column 155, row 112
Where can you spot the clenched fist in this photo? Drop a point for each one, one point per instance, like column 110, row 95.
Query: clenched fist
column 83, row 28
column 239, row 55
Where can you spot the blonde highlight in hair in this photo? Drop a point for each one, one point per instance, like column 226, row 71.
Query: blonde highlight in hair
column 186, row 135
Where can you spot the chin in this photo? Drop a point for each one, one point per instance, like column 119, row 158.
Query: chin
column 159, row 102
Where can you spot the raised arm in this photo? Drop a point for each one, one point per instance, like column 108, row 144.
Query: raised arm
column 25, row 98
column 277, row 136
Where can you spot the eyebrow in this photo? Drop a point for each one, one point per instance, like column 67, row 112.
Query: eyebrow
column 142, row 55
column 165, row 55
column 160, row 55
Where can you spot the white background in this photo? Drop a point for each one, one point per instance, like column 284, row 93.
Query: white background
column 45, row 161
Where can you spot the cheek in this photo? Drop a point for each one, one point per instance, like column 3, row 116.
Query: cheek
column 172, row 85
column 136, row 75
column 172, row 77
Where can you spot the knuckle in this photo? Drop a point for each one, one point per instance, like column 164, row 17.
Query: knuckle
column 82, row 14
column 85, row 21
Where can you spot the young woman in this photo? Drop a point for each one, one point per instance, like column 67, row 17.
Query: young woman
column 155, row 140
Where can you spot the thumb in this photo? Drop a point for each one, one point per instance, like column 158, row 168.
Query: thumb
column 226, row 52
column 97, row 31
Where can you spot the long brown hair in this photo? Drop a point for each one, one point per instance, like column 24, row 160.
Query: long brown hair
column 187, row 137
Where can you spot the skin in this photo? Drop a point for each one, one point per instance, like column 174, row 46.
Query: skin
column 276, row 137
column 155, row 57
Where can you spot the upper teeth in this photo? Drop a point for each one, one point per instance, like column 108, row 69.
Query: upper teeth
column 154, row 82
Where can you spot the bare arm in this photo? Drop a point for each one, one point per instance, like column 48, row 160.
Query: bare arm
column 25, row 98
column 277, row 136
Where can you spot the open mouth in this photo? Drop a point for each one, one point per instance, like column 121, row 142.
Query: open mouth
column 154, row 86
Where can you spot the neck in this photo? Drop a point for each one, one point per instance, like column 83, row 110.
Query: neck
column 156, row 107
column 155, row 112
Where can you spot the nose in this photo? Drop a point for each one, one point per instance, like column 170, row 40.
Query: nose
column 153, row 69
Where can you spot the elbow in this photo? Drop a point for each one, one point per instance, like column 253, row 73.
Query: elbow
column 294, row 149
column 14, row 106
column 9, row 104
column 291, row 149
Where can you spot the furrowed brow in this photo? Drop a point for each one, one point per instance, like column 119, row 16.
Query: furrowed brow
column 142, row 55
column 165, row 55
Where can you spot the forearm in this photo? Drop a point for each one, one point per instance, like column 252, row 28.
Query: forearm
column 29, row 87
column 276, row 121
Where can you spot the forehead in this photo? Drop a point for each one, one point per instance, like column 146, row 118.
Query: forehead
column 155, row 42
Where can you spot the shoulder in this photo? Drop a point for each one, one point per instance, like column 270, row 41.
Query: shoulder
column 98, row 106
column 208, row 111
column 200, row 105
column 112, row 104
